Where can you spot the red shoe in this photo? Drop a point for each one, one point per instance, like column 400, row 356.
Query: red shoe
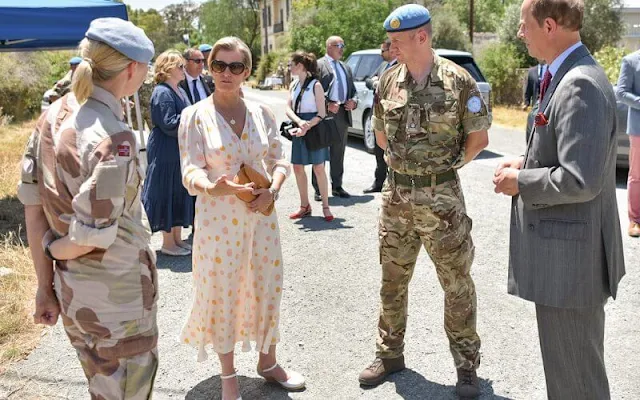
column 329, row 217
column 304, row 211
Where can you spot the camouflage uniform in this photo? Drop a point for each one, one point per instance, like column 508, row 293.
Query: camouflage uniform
column 426, row 125
column 63, row 86
column 81, row 166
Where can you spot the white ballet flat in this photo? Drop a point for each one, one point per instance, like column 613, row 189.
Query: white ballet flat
column 295, row 381
column 230, row 377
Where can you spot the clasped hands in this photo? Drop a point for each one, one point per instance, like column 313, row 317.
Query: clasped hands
column 506, row 177
column 223, row 186
column 349, row 105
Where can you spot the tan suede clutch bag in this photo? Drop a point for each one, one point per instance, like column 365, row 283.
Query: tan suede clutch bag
column 245, row 175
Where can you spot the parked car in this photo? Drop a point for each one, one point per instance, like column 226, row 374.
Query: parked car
column 366, row 63
column 623, row 139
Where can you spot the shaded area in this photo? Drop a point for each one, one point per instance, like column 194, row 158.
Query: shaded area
column 251, row 388
column 411, row 385
column 12, row 217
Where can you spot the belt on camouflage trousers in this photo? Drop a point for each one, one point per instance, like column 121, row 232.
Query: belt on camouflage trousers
column 421, row 181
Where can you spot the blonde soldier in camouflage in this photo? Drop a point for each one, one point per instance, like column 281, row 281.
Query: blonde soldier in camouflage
column 430, row 118
column 82, row 174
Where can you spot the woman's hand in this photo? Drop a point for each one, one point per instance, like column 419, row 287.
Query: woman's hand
column 264, row 199
column 223, row 186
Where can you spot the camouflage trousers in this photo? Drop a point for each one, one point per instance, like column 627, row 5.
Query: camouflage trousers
column 436, row 218
column 119, row 359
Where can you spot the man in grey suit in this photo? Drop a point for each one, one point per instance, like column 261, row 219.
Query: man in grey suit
column 566, row 243
column 628, row 91
column 337, row 81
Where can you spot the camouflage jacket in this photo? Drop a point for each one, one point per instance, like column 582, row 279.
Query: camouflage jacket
column 427, row 123
column 81, row 164
column 63, row 86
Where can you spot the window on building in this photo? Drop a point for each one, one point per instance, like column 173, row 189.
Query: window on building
column 288, row 8
column 281, row 16
column 269, row 14
column 265, row 21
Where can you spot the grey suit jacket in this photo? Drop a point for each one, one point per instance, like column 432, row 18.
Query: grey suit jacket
column 566, row 243
column 628, row 90
column 325, row 72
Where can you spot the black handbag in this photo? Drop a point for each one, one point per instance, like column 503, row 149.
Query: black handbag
column 322, row 135
column 325, row 133
column 287, row 125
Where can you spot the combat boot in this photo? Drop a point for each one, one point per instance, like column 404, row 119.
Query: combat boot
column 468, row 386
column 379, row 369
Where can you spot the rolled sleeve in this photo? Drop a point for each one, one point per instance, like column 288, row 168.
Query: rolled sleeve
column 275, row 159
column 28, row 191
column 191, row 143
column 474, row 119
column 100, row 201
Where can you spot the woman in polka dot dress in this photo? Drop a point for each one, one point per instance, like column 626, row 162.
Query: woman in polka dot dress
column 237, row 260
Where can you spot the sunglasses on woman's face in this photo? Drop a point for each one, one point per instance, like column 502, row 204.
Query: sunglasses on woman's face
column 236, row 68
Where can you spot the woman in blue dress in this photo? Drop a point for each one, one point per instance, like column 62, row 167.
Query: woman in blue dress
column 169, row 207
column 310, row 110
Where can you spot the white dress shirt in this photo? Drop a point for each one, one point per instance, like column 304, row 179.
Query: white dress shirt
column 199, row 85
column 341, row 74
column 555, row 65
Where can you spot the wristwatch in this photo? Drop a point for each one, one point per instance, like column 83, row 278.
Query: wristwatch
column 47, row 250
column 275, row 193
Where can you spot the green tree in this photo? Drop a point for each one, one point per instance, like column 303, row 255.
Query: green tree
column 611, row 58
column 241, row 19
column 499, row 63
column 602, row 25
column 448, row 33
column 154, row 26
column 182, row 19
column 358, row 22
column 487, row 13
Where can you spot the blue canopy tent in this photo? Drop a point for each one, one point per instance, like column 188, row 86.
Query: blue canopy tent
column 30, row 25
column 50, row 24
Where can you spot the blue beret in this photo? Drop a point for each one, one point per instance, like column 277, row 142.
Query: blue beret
column 123, row 36
column 409, row 16
column 205, row 47
column 75, row 61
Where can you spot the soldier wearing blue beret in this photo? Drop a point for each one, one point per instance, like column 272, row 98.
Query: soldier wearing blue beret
column 206, row 50
column 430, row 119
column 92, row 223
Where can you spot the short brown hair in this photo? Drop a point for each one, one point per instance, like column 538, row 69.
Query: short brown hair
column 567, row 13
column 308, row 60
column 231, row 43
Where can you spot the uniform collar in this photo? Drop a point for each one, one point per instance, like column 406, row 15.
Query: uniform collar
column 404, row 76
column 107, row 98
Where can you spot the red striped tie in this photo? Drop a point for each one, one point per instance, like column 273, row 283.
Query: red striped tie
column 546, row 80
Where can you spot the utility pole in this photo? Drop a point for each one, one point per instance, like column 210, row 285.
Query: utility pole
column 471, row 21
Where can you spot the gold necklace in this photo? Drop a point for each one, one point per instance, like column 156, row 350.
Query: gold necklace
column 231, row 120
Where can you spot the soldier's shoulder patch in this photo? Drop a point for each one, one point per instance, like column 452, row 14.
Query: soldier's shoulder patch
column 474, row 104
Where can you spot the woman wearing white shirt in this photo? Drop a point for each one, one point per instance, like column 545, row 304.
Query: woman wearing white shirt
column 311, row 109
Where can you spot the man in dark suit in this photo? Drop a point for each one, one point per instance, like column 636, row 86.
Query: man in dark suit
column 389, row 57
column 566, row 243
column 196, row 85
column 532, row 85
column 337, row 81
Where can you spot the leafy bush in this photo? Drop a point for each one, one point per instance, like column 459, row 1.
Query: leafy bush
column 269, row 63
column 448, row 33
column 611, row 58
column 26, row 76
column 499, row 63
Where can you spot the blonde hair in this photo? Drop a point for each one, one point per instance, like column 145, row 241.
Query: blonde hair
column 231, row 43
column 166, row 62
column 100, row 63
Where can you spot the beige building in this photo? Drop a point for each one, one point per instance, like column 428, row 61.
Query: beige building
column 631, row 20
column 275, row 17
